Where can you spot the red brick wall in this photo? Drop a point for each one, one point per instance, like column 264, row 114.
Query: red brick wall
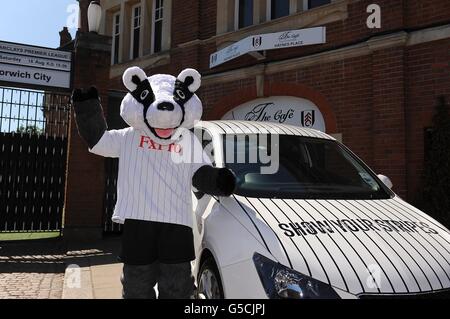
column 381, row 102
column 86, row 175
column 421, row 13
column 426, row 81
column 185, row 21
column 388, row 115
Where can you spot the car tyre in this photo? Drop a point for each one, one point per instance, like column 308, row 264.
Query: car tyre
column 209, row 282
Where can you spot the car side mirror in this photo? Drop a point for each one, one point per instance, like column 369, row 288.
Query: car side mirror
column 386, row 181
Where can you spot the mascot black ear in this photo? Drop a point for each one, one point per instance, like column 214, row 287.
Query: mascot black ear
column 137, row 83
column 187, row 83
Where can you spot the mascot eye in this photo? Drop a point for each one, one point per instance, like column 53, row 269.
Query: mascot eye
column 181, row 94
column 144, row 94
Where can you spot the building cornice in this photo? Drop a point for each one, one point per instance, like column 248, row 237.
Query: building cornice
column 429, row 34
column 387, row 41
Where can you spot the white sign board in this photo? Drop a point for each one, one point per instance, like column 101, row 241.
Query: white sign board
column 34, row 65
column 269, row 41
column 280, row 109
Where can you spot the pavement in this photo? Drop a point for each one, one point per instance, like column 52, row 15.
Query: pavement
column 32, row 270
column 55, row 269
column 93, row 271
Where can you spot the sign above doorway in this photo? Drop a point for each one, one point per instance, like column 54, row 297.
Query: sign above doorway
column 35, row 66
column 269, row 41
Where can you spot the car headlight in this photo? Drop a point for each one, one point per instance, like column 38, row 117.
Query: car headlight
column 285, row 283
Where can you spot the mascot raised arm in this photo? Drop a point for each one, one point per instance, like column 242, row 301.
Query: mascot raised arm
column 158, row 166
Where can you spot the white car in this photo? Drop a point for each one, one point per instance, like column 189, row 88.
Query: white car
column 322, row 226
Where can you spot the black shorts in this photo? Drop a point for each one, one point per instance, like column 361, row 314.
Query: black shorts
column 145, row 242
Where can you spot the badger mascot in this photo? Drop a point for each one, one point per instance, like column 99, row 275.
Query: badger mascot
column 154, row 186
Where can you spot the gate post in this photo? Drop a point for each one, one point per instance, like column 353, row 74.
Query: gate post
column 85, row 183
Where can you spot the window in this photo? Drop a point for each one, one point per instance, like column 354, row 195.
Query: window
column 135, row 32
column 308, row 169
column 244, row 14
column 279, row 8
column 233, row 15
column 158, row 25
column 116, row 38
column 317, row 3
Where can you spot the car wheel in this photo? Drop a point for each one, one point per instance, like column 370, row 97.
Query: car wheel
column 209, row 283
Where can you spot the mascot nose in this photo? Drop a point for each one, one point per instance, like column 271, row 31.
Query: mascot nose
column 165, row 106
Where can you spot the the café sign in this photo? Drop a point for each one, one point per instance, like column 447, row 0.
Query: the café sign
column 32, row 65
column 269, row 41
column 280, row 109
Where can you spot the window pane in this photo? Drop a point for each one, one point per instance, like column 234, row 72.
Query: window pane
column 117, row 24
column 136, row 43
column 158, row 36
column 308, row 169
column 280, row 8
column 137, row 17
column 116, row 49
column 245, row 13
column 317, row 3
column 116, row 38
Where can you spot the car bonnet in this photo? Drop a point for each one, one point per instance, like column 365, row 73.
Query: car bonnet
column 358, row 246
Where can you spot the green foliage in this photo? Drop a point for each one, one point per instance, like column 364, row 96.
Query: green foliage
column 30, row 129
column 437, row 166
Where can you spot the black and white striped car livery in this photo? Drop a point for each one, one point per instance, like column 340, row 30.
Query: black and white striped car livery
column 347, row 244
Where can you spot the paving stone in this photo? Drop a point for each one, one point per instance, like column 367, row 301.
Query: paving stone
column 31, row 270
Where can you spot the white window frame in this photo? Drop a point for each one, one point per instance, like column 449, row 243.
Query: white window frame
column 133, row 18
column 114, row 35
column 154, row 21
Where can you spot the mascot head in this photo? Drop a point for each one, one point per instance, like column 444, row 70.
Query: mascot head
column 161, row 105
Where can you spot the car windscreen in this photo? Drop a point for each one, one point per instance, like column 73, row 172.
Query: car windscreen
column 306, row 168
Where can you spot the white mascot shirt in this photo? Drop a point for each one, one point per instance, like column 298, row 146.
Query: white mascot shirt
column 155, row 180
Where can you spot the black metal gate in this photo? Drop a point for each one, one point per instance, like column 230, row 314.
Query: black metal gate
column 33, row 145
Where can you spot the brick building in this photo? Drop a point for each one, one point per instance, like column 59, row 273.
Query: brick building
column 374, row 88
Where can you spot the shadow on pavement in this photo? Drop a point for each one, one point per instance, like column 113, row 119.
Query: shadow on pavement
column 42, row 256
column 52, row 255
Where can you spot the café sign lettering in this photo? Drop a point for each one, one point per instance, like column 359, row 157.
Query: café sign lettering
column 280, row 109
column 269, row 41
